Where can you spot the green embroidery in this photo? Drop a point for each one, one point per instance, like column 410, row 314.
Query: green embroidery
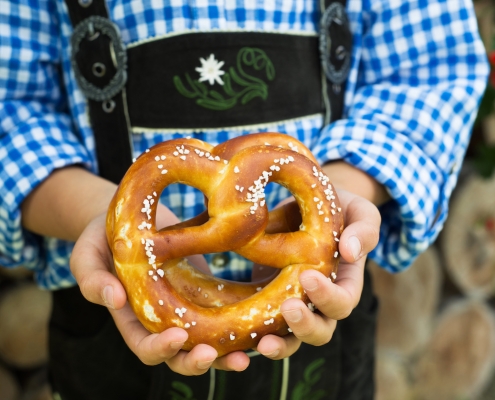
column 312, row 374
column 251, row 86
column 183, row 391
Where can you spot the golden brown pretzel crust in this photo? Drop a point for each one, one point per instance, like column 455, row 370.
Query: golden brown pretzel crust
column 164, row 291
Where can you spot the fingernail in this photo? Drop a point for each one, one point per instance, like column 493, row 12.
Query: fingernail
column 108, row 296
column 176, row 345
column 204, row 364
column 310, row 284
column 293, row 315
column 273, row 354
column 355, row 247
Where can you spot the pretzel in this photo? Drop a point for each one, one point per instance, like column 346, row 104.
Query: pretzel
column 164, row 291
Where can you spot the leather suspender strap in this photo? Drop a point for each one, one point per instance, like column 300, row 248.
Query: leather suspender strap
column 99, row 61
column 79, row 10
column 335, row 53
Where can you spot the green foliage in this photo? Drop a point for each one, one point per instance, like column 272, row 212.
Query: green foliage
column 487, row 105
column 484, row 162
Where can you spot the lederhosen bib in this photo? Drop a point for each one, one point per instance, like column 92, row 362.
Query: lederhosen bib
column 150, row 86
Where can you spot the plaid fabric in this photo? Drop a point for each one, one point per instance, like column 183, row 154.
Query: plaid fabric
column 418, row 72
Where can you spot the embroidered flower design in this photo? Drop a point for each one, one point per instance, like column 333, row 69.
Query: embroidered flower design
column 210, row 70
column 240, row 84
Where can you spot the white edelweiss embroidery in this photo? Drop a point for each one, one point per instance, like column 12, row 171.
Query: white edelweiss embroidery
column 210, row 70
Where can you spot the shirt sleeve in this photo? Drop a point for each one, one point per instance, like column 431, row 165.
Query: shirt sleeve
column 36, row 132
column 422, row 73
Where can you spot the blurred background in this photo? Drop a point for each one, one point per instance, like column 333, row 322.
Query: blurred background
column 436, row 328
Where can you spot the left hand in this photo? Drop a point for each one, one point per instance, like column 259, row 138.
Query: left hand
column 334, row 301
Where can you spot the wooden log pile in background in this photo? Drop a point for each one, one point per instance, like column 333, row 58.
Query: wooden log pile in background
column 458, row 360
column 445, row 351
column 436, row 324
column 24, row 314
column 408, row 303
column 468, row 240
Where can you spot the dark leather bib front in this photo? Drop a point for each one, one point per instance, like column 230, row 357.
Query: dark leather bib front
column 260, row 80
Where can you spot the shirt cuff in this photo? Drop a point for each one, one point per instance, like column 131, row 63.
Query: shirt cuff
column 28, row 154
column 419, row 189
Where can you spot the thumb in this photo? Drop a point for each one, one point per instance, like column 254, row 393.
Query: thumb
column 363, row 227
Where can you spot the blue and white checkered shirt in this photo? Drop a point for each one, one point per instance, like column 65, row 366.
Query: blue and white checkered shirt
column 418, row 72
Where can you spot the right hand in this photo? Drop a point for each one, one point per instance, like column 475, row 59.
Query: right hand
column 92, row 265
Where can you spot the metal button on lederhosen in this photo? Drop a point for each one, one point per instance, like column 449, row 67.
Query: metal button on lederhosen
column 126, row 89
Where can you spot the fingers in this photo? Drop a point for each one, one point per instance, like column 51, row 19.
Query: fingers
column 153, row 349
column 91, row 264
column 276, row 347
column 202, row 357
column 362, row 226
column 307, row 326
column 194, row 362
column 237, row 361
column 335, row 300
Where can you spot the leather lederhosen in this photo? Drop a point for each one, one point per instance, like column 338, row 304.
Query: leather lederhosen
column 88, row 357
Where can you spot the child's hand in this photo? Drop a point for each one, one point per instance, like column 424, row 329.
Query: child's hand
column 92, row 266
column 333, row 301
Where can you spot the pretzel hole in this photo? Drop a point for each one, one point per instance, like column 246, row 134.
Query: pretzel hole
column 285, row 217
column 179, row 189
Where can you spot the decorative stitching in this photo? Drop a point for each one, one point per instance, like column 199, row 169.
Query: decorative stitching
column 143, row 130
column 312, row 374
column 181, row 391
column 210, row 70
column 188, row 32
column 251, row 86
